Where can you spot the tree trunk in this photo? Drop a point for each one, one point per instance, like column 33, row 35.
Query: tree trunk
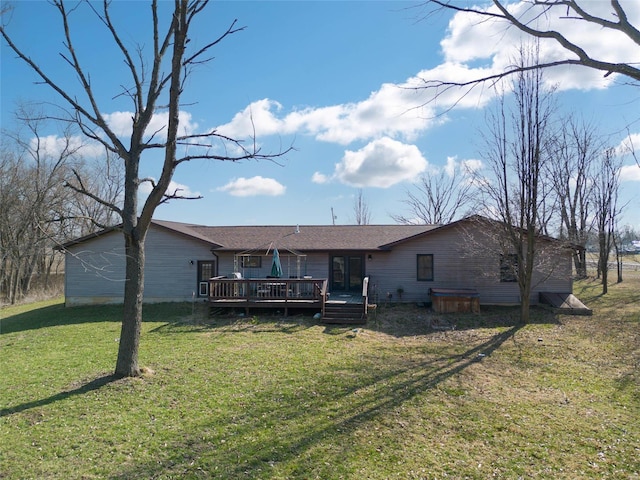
column 619, row 265
column 580, row 263
column 525, row 271
column 127, row 363
column 602, row 254
column 13, row 287
column 525, row 307
column 27, row 274
column 616, row 250
column 620, row 271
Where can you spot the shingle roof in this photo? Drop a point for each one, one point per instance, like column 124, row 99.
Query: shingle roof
column 303, row 238
column 308, row 238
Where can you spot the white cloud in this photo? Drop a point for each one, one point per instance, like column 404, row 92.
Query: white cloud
column 630, row 173
column 320, row 178
column 121, row 124
column 174, row 188
column 471, row 165
column 391, row 111
column 473, row 48
column 400, row 111
column 492, row 43
column 257, row 119
column 53, row 146
column 629, row 145
column 463, row 169
column 382, row 163
column 254, row 186
column 450, row 167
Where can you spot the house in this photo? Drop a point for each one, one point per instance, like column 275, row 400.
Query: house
column 402, row 263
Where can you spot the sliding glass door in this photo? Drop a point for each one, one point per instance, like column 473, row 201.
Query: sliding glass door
column 347, row 272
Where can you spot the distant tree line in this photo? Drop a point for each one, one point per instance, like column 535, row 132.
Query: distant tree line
column 37, row 212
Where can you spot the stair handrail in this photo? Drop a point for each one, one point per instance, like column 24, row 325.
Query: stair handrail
column 323, row 295
column 365, row 295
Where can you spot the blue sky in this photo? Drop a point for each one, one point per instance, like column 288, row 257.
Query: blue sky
column 329, row 78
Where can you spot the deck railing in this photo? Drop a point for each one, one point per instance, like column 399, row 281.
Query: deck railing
column 264, row 289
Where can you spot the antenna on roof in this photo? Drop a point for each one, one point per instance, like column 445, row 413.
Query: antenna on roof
column 333, row 217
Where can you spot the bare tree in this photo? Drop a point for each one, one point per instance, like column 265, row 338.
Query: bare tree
column 361, row 210
column 439, row 198
column 14, row 261
column 566, row 15
column 105, row 180
column 577, row 148
column 526, row 20
column 31, row 191
column 606, row 211
column 517, row 151
column 156, row 81
column 37, row 213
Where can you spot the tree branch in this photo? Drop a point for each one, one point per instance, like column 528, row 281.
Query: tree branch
column 230, row 31
column 622, row 25
column 84, row 191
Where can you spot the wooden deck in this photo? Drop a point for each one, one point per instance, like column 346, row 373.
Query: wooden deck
column 291, row 293
column 268, row 293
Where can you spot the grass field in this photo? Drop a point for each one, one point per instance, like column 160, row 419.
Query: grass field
column 266, row 397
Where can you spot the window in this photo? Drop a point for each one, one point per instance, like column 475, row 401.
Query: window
column 425, row 268
column 509, row 268
column 251, row 261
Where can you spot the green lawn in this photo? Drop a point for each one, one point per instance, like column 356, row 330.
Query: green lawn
column 265, row 397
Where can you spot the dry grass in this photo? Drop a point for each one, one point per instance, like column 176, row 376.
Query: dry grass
column 286, row 398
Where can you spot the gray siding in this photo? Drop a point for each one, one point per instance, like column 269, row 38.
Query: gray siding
column 313, row 264
column 463, row 258
column 458, row 263
column 95, row 270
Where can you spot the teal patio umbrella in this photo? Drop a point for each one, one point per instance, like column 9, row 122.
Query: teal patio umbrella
column 276, row 266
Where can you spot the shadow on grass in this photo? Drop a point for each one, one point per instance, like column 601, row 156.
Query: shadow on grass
column 397, row 320
column 81, row 390
column 307, row 432
column 58, row 315
column 410, row 320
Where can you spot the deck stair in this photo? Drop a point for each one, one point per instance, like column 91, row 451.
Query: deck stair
column 344, row 313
